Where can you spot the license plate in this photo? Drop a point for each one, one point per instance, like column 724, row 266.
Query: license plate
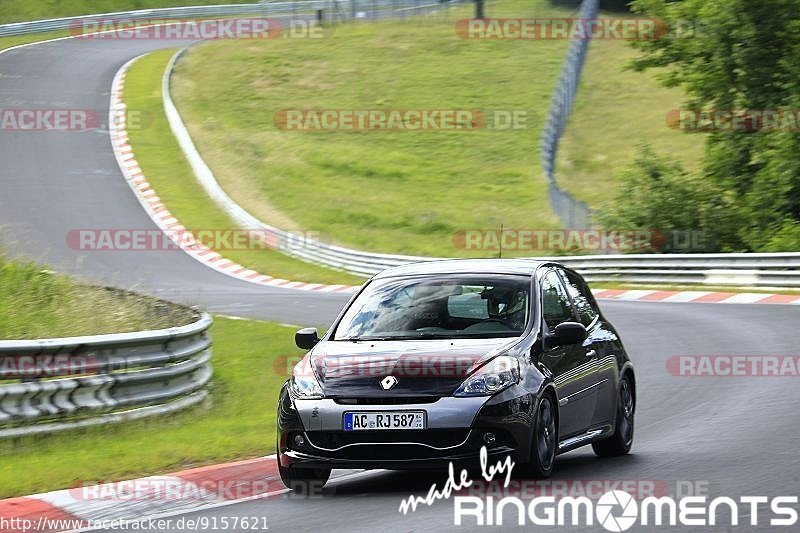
column 384, row 420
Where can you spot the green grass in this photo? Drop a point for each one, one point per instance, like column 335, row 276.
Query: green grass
column 404, row 192
column 166, row 169
column 616, row 111
column 35, row 303
column 238, row 422
column 24, row 10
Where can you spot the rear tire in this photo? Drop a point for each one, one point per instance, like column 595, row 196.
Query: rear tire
column 304, row 480
column 545, row 439
column 621, row 441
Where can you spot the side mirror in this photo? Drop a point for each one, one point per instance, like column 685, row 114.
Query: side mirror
column 568, row 333
column 306, row 338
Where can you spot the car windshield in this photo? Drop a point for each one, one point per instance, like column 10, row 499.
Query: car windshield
column 444, row 307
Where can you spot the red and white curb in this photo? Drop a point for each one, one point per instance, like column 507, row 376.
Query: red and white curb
column 92, row 505
column 188, row 490
column 696, row 297
column 165, row 220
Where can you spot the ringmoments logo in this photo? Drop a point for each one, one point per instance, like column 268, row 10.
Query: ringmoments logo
column 618, row 511
column 615, row 510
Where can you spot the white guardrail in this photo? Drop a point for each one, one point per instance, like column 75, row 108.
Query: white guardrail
column 332, row 9
column 186, row 12
column 743, row 270
column 49, row 385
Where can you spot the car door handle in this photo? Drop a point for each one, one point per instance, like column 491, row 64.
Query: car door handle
column 591, row 353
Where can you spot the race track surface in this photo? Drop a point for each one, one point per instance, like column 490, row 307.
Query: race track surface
column 52, row 182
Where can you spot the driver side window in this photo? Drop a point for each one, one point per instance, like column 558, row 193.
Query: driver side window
column 556, row 306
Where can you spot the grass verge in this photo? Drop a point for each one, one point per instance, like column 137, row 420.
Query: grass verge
column 238, row 422
column 387, row 191
column 35, row 303
column 162, row 162
column 616, row 111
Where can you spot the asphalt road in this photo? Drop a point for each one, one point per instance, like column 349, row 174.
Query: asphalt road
column 52, row 182
column 735, row 436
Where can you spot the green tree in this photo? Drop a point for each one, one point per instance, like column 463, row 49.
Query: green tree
column 734, row 55
column 657, row 194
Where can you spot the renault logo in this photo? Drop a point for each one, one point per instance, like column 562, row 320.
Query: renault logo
column 388, row 382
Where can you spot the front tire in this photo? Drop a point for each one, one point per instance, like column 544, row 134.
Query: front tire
column 545, row 439
column 304, row 480
column 621, row 441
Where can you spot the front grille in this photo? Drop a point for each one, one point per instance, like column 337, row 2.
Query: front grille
column 382, row 445
column 438, row 438
column 389, row 400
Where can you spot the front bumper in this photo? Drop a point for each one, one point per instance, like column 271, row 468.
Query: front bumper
column 456, row 431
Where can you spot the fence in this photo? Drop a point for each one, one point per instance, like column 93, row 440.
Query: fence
column 572, row 212
column 50, row 385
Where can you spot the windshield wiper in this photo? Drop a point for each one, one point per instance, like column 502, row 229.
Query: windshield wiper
column 407, row 337
column 368, row 338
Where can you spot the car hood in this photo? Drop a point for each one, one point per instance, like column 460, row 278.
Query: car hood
column 425, row 368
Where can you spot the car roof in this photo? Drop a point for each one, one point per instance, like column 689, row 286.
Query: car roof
column 464, row 266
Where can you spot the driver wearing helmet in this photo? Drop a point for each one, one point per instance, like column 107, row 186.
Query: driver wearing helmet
column 507, row 306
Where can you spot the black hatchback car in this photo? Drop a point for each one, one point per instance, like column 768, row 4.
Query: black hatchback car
column 430, row 362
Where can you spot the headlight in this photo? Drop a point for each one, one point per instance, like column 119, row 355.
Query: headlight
column 304, row 384
column 496, row 375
